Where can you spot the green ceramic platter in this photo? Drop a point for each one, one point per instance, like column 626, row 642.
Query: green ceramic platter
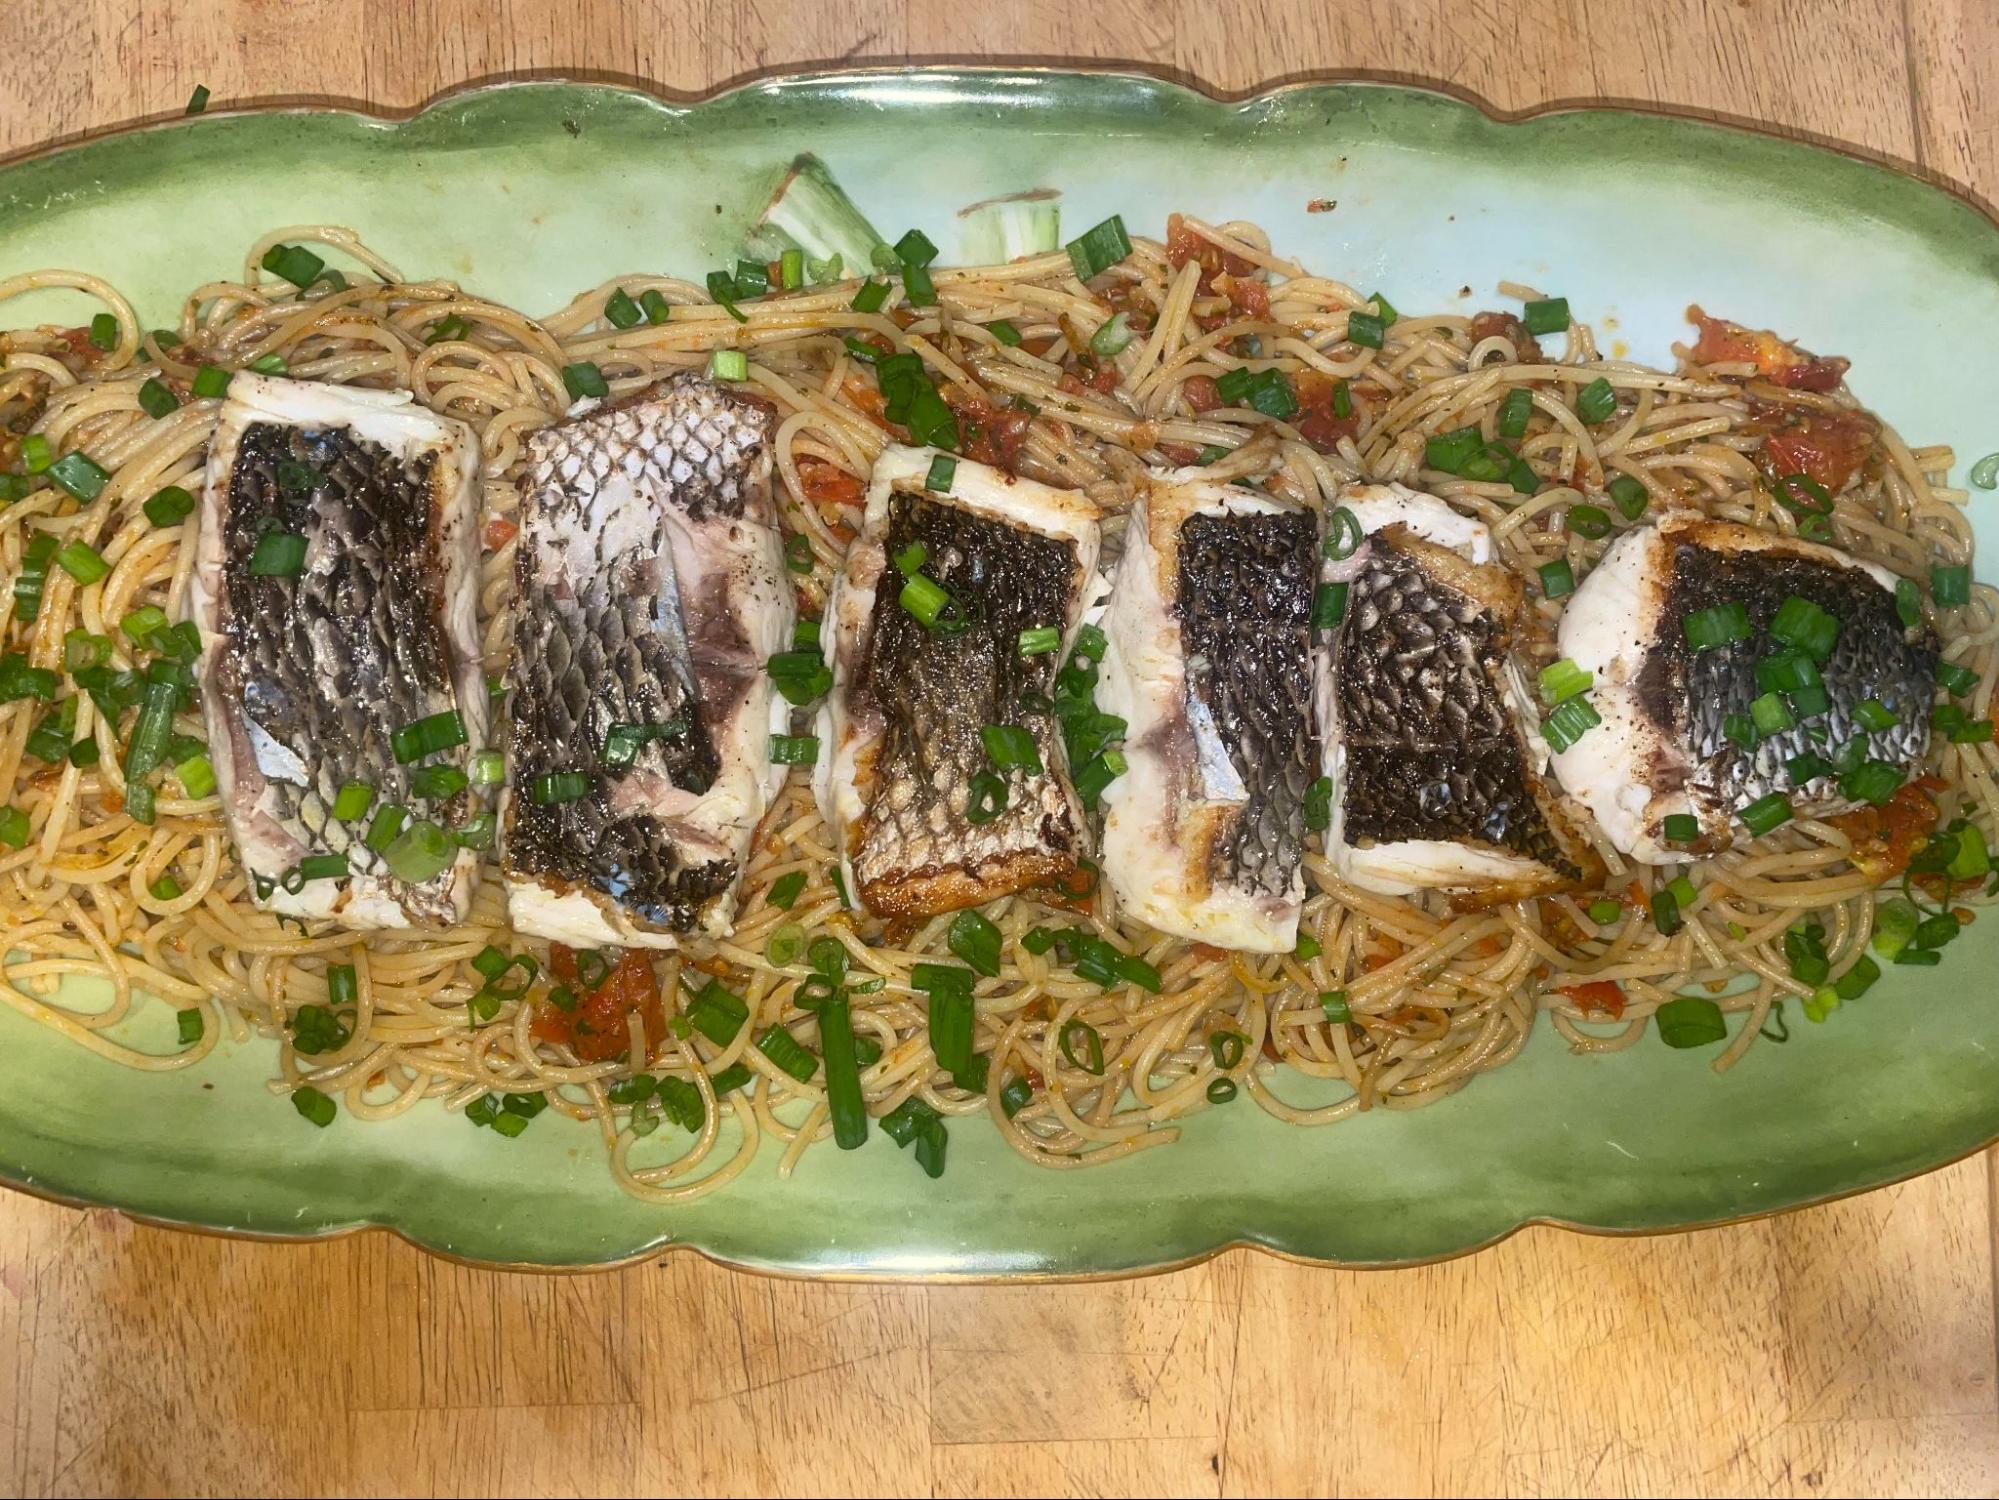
column 531, row 192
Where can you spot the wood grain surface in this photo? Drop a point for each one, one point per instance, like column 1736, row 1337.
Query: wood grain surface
column 1848, row 1348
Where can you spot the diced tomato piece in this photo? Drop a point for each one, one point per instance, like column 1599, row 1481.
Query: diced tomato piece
column 499, row 531
column 1315, row 421
column 1183, row 245
column 865, row 397
column 1180, row 453
column 991, row 434
column 1209, row 951
column 1200, row 393
column 1246, row 294
column 1598, row 997
column 598, row 1029
column 1777, row 360
column 1487, row 325
column 1886, row 838
column 1826, row 447
column 828, row 484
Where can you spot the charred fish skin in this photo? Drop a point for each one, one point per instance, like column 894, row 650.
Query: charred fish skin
column 1207, row 660
column 1437, row 775
column 650, row 591
column 306, row 677
column 901, row 728
column 1661, row 748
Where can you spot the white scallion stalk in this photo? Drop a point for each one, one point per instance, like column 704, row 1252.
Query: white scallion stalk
column 1003, row 229
column 811, row 212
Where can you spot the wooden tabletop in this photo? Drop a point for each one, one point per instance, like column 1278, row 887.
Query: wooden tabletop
column 1848, row 1348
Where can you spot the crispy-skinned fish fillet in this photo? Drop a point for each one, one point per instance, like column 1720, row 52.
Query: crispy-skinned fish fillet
column 650, row 591
column 1663, row 746
column 901, row 728
column 1208, row 663
column 1436, row 765
column 306, row 676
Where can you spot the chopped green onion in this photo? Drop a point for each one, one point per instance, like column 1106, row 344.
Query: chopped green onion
column 1334, row 1004
column 1558, row 580
column 477, row 832
column 1787, row 671
column 1808, row 767
column 845, row 1104
column 655, row 306
column 1319, row 805
column 1366, row 330
column 1546, row 315
column 951, row 1013
column 975, row 940
column 36, row 453
column 1451, row 451
column 1872, row 781
column 782, row 1048
column 1099, row 248
column 1596, row 401
column 314, row 1105
column 353, row 801
column 211, row 381
column 427, row 736
column 1113, row 336
column 1766, row 813
column 14, row 828
column 620, row 311
column 294, row 263
column 489, row 768
column 1681, row 828
column 988, row 798
column 1210, row 453
column 942, row 470
column 278, row 554
column 1874, row 715
column 1009, row 746
column 1950, row 586
column 1681, row 890
column 801, row 676
column 1306, row 949
column 1081, row 1034
column 1342, row 400
column 387, row 824
column 1972, row 732
column 871, row 296
column 1040, row 640
column 1329, row 605
column 156, row 400
column 1666, row 913
column 170, row 506
column 104, row 332
column 1514, row 412
column 1801, row 623
column 1564, row 679
column 1719, row 626
column 197, row 775
column 268, row 364
column 1769, row 715
column 198, row 100
column 1810, row 702
column 798, row 554
column 561, row 786
column 794, row 749
column 1570, row 721
column 82, row 650
column 1690, row 1021
column 446, row 330
column 1266, row 391
column 784, row 891
column 1003, row 330
column 78, row 475
column 1969, row 858
column 434, row 783
column 729, row 364
column 321, row 867
column 715, row 1013
column 584, row 379
column 1629, row 496
column 82, row 562
column 791, row 270
column 420, row 852
column 1606, row 910
column 784, row 945
column 1343, row 534
column 1955, row 678
column 191, row 1026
